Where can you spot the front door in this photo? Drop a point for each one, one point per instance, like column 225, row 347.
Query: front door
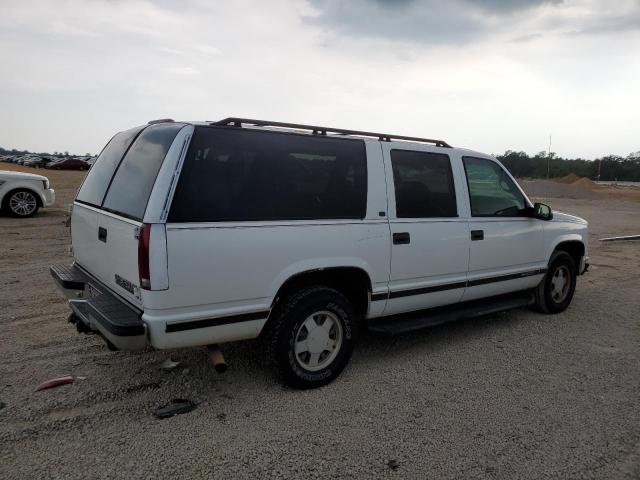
column 430, row 240
column 507, row 248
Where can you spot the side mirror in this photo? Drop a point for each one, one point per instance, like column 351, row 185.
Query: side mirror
column 542, row 211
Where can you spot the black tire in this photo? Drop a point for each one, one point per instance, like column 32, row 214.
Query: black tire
column 14, row 212
column 550, row 299
column 288, row 323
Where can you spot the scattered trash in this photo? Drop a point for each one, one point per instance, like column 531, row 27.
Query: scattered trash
column 393, row 464
column 55, row 382
column 176, row 407
column 618, row 239
column 142, row 386
column 169, row 365
column 81, row 378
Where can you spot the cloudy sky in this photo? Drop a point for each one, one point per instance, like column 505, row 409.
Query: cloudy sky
column 486, row 74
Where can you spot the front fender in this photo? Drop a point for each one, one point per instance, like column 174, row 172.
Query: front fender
column 13, row 185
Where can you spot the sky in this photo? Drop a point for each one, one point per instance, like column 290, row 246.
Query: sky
column 490, row 75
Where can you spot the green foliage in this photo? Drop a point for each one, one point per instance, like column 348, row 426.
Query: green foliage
column 612, row 167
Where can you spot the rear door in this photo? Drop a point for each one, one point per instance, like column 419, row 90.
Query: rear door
column 430, row 242
column 111, row 204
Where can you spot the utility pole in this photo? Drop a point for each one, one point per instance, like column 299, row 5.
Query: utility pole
column 549, row 157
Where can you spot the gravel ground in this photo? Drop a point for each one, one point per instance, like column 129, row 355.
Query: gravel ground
column 514, row 395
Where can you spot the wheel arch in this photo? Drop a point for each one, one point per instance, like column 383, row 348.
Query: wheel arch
column 19, row 187
column 574, row 247
column 352, row 281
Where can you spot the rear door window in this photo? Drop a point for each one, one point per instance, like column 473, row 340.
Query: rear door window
column 97, row 181
column 423, row 184
column 131, row 186
column 243, row 175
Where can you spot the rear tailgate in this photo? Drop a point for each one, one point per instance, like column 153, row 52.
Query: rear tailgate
column 106, row 246
column 109, row 209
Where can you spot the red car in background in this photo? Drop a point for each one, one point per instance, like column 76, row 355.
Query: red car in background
column 69, row 164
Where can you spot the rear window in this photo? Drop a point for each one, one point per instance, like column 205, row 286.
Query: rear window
column 97, row 181
column 131, row 186
column 242, row 175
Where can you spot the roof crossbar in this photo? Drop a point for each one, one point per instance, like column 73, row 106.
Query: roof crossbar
column 385, row 137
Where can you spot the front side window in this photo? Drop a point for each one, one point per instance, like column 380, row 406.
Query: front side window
column 492, row 193
column 423, row 184
column 244, row 175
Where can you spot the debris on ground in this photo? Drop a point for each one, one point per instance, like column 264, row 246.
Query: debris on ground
column 55, row 382
column 619, row 239
column 177, row 406
column 169, row 365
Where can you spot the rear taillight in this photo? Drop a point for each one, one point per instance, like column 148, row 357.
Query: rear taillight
column 143, row 256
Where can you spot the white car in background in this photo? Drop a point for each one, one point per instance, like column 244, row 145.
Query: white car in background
column 22, row 194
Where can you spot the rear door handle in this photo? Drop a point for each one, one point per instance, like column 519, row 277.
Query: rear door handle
column 401, row 238
column 477, row 235
column 102, row 234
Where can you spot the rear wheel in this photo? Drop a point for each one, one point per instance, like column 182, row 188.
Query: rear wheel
column 555, row 292
column 21, row 203
column 311, row 337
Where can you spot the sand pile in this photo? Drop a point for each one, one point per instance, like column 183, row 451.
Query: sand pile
column 576, row 181
column 572, row 177
column 585, row 182
column 553, row 189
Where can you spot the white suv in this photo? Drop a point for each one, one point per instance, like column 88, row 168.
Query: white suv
column 22, row 194
column 189, row 234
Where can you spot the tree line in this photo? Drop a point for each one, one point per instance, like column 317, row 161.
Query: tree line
column 13, row 151
column 608, row 168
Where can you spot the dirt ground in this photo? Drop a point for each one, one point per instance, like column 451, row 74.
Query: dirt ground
column 514, row 395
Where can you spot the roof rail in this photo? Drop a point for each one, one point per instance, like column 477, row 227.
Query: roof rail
column 385, row 137
column 160, row 120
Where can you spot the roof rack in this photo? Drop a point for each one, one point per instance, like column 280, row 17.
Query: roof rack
column 384, row 137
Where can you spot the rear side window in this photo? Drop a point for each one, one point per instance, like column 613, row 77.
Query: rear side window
column 97, row 181
column 131, row 186
column 242, row 175
column 423, row 184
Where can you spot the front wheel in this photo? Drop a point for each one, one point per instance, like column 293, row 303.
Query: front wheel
column 555, row 292
column 21, row 203
column 312, row 336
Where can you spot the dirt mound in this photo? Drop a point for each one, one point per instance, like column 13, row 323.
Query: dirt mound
column 550, row 189
column 585, row 182
column 572, row 177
